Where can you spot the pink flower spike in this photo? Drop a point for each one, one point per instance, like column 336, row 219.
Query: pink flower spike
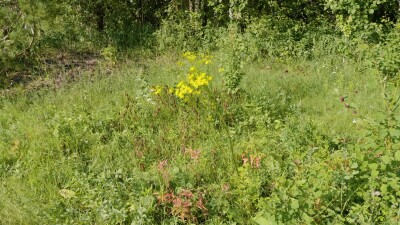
column 251, row 160
column 162, row 164
column 258, row 160
column 195, row 154
column 245, row 160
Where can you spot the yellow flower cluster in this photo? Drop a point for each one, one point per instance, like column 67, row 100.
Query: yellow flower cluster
column 206, row 59
column 157, row 90
column 203, row 58
column 196, row 80
column 183, row 90
column 190, row 56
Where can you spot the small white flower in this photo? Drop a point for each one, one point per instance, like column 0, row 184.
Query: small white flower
column 376, row 193
column 336, row 90
column 354, row 121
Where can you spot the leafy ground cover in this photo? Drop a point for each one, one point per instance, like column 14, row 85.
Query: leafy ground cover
column 196, row 139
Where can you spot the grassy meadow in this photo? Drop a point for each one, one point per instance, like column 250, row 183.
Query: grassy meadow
column 200, row 112
column 295, row 144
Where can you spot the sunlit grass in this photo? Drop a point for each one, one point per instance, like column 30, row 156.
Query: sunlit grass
column 105, row 136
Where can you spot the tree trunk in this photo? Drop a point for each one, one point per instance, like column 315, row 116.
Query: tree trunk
column 399, row 5
column 141, row 12
column 197, row 5
column 100, row 17
column 190, row 5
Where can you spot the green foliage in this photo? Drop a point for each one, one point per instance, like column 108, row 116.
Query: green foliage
column 21, row 30
column 121, row 23
column 182, row 31
column 125, row 149
column 375, row 167
column 388, row 61
column 32, row 31
column 290, row 118
column 109, row 54
column 237, row 50
column 363, row 19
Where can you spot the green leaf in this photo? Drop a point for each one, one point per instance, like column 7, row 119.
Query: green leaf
column 394, row 133
column 263, row 221
column 264, row 218
column 384, row 188
column 294, row 204
column 397, row 155
column 371, row 11
column 363, row 46
column 354, row 165
column 373, row 166
column 383, row 133
column 65, row 193
column 386, row 159
column 307, row 218
column 374, row 173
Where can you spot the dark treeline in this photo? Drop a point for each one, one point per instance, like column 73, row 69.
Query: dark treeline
column 29, row 29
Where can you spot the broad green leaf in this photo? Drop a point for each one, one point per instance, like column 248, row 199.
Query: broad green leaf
column 263, row 221
column 65, row 193
column 386, row 159
column 363, row 46
column 384, row 188
column 373, row 166
column 371, row 11
column 397, row 155
column 374, row 173
column 294, row 204
column 394, row 133
column 307, row 218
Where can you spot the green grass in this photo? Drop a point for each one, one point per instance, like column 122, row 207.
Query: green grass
column 104, row 139
column 315, row 88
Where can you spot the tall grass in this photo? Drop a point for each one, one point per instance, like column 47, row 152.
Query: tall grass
column 118, row 150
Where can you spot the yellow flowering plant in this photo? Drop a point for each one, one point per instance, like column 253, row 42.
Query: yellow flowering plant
column 192, row 92
column 195, row 80
column 157, row 90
